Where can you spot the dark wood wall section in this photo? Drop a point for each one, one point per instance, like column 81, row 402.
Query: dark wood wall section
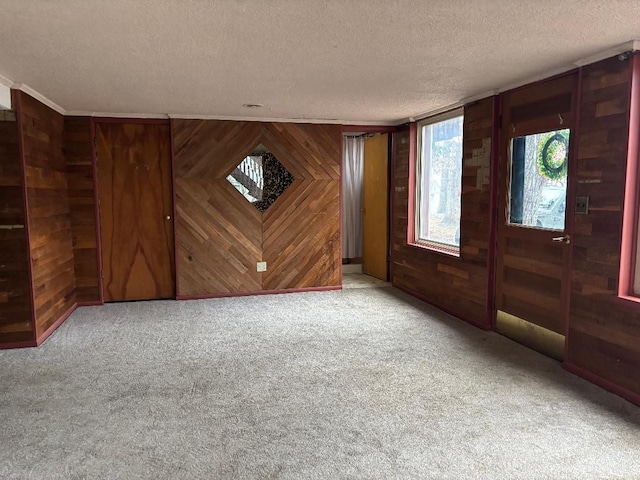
column 50, row 236
column 15, row 284
column 221, row 236
column 456, row 284
column 604, row 331
column 82, row 206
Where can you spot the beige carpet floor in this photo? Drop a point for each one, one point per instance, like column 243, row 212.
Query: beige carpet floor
column 364, row 383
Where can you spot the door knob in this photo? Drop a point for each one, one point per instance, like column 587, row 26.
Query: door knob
column 563, row 239
column 168, row 217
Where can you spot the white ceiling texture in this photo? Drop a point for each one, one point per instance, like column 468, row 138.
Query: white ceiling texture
column 347, row 61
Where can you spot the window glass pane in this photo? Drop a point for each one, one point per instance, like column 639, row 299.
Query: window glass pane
column 440, row 182
column 538, row 190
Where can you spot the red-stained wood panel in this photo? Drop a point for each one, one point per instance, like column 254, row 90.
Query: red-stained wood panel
column 50, row 235
column 15, row 285
column 604, row 331
column 136, row 225
column 82, row 207
column 457, row 284
column 221, row 236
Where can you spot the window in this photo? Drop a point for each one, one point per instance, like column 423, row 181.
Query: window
column 538, row 187
column 439, row 182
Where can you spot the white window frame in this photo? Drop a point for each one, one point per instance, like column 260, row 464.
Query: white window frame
column 419, row 208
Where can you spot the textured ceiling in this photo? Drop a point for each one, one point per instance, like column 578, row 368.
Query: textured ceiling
column 349, row 60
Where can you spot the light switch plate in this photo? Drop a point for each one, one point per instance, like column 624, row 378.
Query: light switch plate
column 261, row 267
column 582, row 205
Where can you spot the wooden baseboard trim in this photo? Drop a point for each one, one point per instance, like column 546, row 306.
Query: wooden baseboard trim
column 482, row 326
column 28, row 343
column 259, row 292
column 55, row 325
column 606, row 384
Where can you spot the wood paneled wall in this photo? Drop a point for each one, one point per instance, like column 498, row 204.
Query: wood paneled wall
column 82, row 207
column 220, row 235
column 50, row 237
column 15, row 285
column 604, row 331
column 456, row 284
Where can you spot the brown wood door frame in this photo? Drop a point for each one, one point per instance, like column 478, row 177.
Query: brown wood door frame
column 94, row 125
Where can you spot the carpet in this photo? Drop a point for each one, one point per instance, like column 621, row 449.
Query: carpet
column 352, row 384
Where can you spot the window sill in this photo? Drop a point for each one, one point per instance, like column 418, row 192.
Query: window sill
column 437, row 249
column 630, row 301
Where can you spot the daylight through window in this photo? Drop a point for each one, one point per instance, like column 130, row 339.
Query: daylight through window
column 538, row 186
column 438, row 182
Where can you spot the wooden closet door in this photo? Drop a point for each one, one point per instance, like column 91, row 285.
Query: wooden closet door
column 136, row 211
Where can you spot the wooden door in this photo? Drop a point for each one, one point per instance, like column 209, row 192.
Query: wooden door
column 136, row 211
column 375, row 220
column 534, row 223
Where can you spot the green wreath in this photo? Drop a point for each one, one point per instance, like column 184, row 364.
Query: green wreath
column 553, row 152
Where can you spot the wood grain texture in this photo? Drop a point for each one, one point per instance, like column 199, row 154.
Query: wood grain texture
column 50, row 235
column 15, row 285
column 80, row 169
column 220, row 236
column 458, row 284
column 135, row 188
column 604, row 331
column 301, row 232
column 375, row 216
column 530, row 274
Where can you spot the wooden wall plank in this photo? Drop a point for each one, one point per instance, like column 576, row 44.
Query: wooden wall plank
column 604, row 331
column 51, row 238
column 15, row 284
column 301, row 242
column 302, row 237
column 82, row 206
column 219, row 238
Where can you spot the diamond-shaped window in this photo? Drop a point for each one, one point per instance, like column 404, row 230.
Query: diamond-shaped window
column 260, row 178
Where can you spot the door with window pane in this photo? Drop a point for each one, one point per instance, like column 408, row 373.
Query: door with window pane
column 534, row 234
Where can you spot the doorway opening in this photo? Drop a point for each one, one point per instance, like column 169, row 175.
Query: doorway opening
column 365, row 210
